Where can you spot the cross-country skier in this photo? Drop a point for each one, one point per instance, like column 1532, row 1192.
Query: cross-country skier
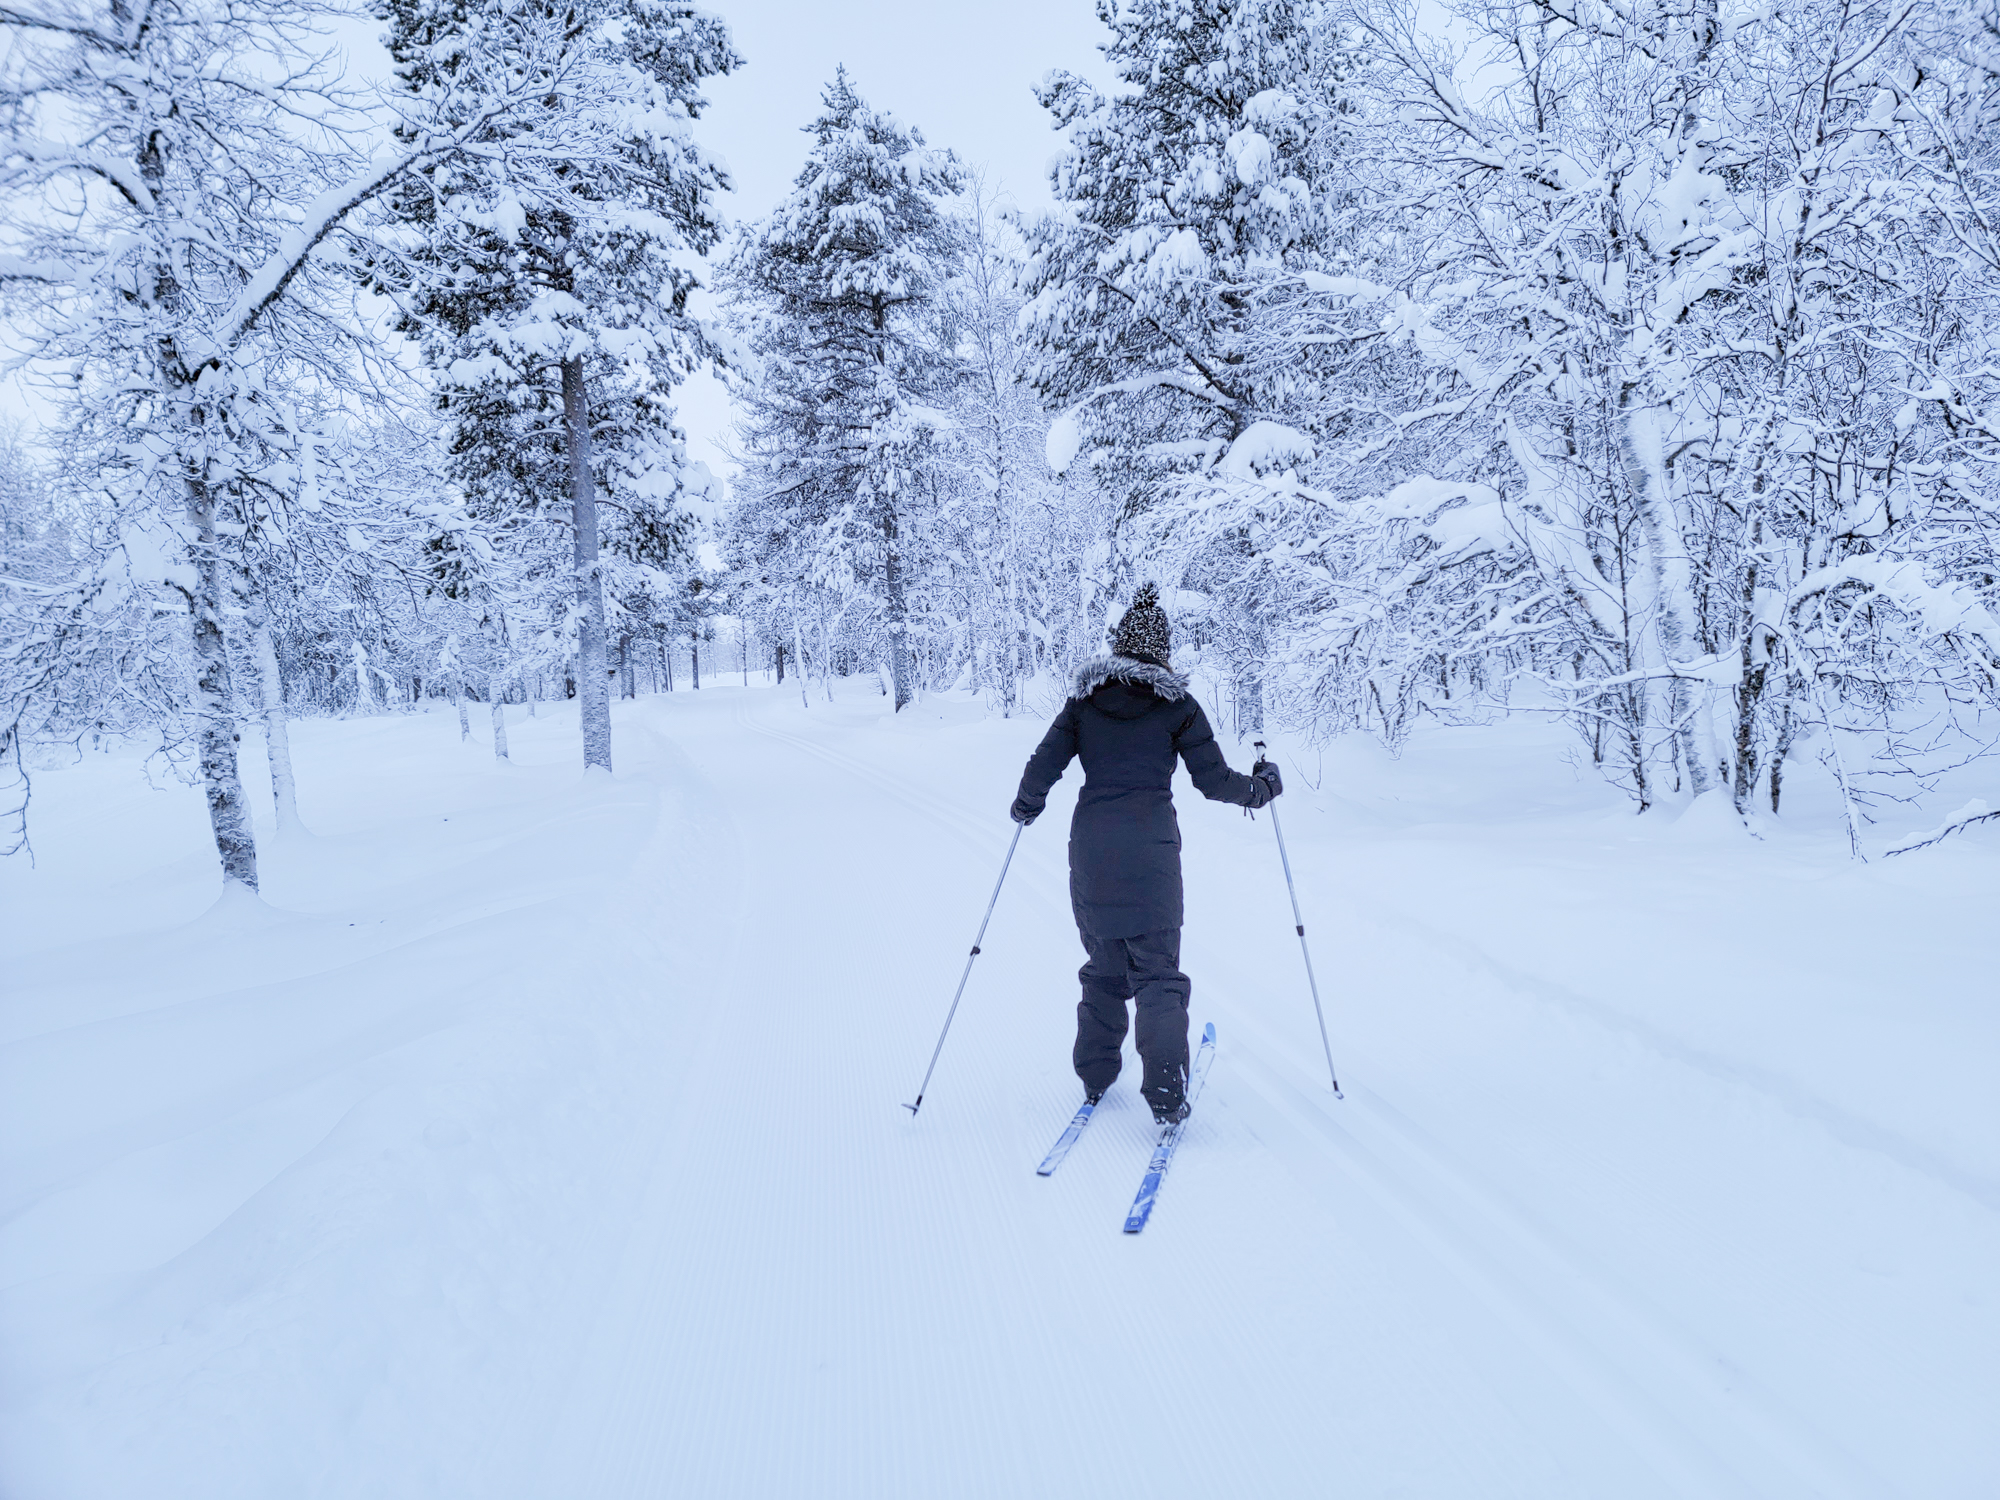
column 1130, row 715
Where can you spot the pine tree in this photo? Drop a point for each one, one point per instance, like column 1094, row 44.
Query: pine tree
column 550, row 294
column 841, row 293
column 1179, row 202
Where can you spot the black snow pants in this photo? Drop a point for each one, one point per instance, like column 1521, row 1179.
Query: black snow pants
column 1119, row 969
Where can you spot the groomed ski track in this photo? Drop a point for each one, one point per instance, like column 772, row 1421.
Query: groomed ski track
column 1449, row 1285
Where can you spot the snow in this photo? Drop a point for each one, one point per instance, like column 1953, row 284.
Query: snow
column 1460, row 518
column 1263, row 447
column 1352, row 287
column 540, row 1135
column 1064, row 439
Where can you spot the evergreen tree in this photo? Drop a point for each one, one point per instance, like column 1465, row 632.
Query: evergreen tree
column 1180, row 202
column 550, row 293
column 842, row 296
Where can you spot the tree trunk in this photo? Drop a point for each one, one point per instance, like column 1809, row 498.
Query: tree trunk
column 277, row 732
column 1787, row 728
column 1750, row 688
column 500, row 726
column 799, row 660
column 899, row 614
column 1250, row 704
column 594, row 709
column 694, row 645
column 364, row 695
column 1667, row 570
column 15, row 789
column 228, row 814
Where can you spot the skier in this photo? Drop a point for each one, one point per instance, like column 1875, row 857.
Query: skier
column 1130, row 715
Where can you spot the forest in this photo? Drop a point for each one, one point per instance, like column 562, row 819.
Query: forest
column 1633, row 364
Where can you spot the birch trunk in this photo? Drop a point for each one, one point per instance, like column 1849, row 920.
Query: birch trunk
column 277, row 729
column 799, row 661
column 228, row 814
column 593, row 688
column 1756, row 660
column 1669, row 580
column 1250, row 685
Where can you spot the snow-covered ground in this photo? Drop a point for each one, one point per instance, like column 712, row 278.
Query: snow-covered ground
column 542, row 1136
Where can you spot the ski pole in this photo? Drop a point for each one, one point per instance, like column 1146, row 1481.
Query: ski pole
column 1300, row 923
column 913, row 1108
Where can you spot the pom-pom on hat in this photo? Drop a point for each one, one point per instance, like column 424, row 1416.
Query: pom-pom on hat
column 1144, row 634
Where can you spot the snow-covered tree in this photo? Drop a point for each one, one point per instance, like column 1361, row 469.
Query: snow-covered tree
column 840, row 295
column 1010, row 536
column 178, row 178
column 1684, row 426
column 1180, row 198
column 549, row 289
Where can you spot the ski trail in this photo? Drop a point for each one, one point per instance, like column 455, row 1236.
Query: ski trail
column 762, row 1193
column 523, row 1433
column 1640, row 1377
column 818, row 1295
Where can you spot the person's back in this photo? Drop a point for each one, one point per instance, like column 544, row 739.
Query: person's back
column 1129, row 719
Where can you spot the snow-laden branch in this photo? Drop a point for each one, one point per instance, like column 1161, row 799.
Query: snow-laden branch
column 1972, row 814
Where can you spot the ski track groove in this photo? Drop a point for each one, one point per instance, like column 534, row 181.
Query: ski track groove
column 1641, row 1377
column 820, row 1196
column 1538, row 1276
column 1843, row 1125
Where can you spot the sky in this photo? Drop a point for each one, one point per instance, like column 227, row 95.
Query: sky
column 961, row 71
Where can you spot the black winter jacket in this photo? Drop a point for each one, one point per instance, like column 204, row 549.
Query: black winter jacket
column 1128, row 720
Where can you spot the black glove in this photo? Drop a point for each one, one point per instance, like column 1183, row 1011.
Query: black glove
column 1267, row 772
column 1025, row 812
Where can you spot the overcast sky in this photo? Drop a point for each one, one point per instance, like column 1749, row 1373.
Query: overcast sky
column 962, row 71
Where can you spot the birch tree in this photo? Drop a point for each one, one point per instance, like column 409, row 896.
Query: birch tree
column 179, row 178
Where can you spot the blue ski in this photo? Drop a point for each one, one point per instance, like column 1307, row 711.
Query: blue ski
column 1163, row 1153
column 1061, row 1148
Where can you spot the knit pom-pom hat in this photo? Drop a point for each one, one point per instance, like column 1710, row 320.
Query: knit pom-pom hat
column 1144, row 634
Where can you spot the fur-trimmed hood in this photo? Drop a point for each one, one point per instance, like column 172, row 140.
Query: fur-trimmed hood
column 1099, row 670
